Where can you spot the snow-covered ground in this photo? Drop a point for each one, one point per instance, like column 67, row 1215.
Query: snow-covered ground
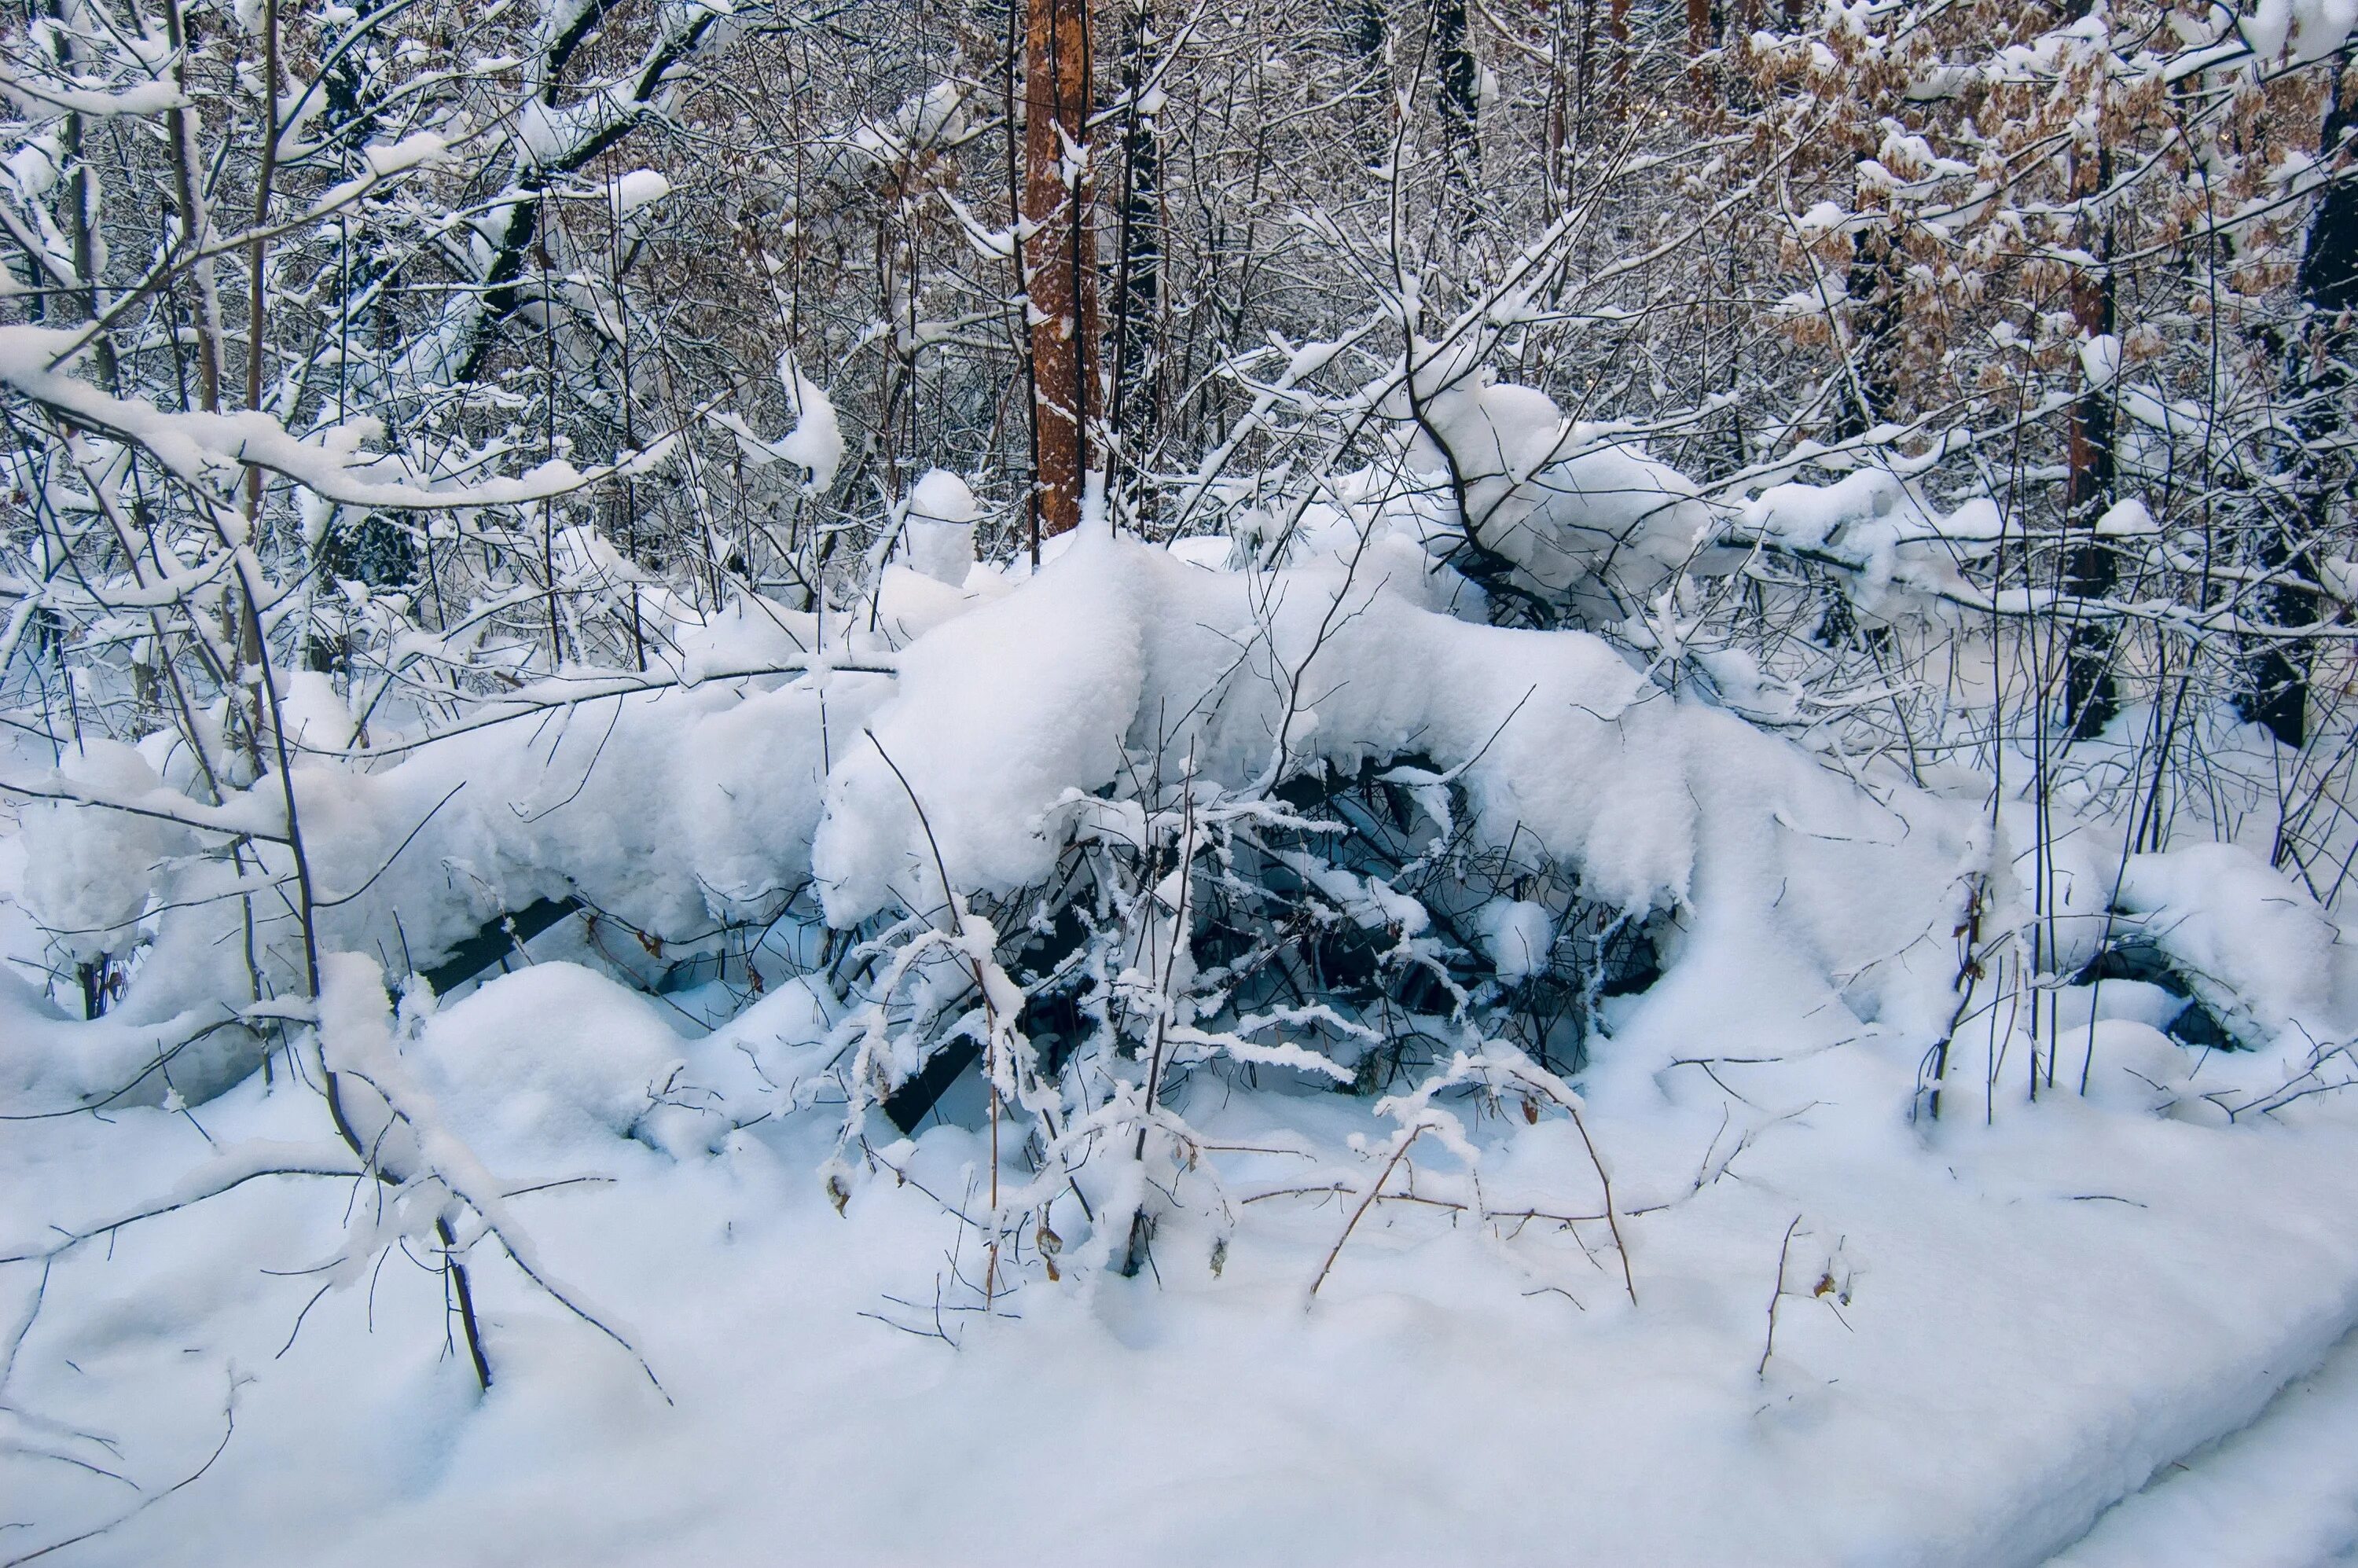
column 2280, row 1493
column 1736, row 968
column 1808, row 1322
column 2019, row 1324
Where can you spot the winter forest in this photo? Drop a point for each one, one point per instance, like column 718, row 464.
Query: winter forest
column 1178, row 782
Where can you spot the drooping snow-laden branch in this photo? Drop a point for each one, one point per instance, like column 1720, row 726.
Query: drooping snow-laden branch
column 203, row 449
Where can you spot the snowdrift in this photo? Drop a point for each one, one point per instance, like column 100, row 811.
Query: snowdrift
column 1794, row 1357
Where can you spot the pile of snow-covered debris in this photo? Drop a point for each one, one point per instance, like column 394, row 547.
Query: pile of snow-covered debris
column 1737, row 1156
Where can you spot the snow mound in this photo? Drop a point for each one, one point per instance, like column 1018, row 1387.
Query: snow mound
column 1566, row 503
column 553, row 1061
column 1005, row 723
column 940, row 527
column 88, row 875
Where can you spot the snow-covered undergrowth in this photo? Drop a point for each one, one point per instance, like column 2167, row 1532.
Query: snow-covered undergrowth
column 1598, row 814
column 1436, row 1088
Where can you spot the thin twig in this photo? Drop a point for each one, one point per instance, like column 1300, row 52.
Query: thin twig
column 1366, row 1203
column 1783, row 1247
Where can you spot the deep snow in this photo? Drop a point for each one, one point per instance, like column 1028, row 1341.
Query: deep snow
column 2039, row 1314
column 1987, row 1328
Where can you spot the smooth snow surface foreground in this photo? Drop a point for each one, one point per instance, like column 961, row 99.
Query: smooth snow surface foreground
column 2282, row 1492
column 2041, row 1314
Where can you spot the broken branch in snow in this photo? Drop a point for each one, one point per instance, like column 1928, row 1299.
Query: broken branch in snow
column 1769, row 1344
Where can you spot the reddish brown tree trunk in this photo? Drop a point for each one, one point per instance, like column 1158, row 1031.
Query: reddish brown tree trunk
column 1059, row 263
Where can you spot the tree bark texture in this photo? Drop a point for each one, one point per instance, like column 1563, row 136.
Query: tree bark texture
column 1059, row 263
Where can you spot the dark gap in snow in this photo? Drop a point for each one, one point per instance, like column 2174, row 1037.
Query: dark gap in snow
column 495, row 940
column 2195, row 1025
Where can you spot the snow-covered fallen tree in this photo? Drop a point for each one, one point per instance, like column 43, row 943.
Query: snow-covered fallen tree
column 1121, row 843
column 1664, row 884
column 1147, row 820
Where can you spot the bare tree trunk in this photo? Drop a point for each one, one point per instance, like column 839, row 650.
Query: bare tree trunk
column 85, row 210
column 1870, row 370
column 1366, row 38
column 1059, row 266
column 257, row 309
column 2329, row 288
column 1134, row 403
column 2091, row 694
column 1461, row 100
column 196, row 227
column 1874, row 286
